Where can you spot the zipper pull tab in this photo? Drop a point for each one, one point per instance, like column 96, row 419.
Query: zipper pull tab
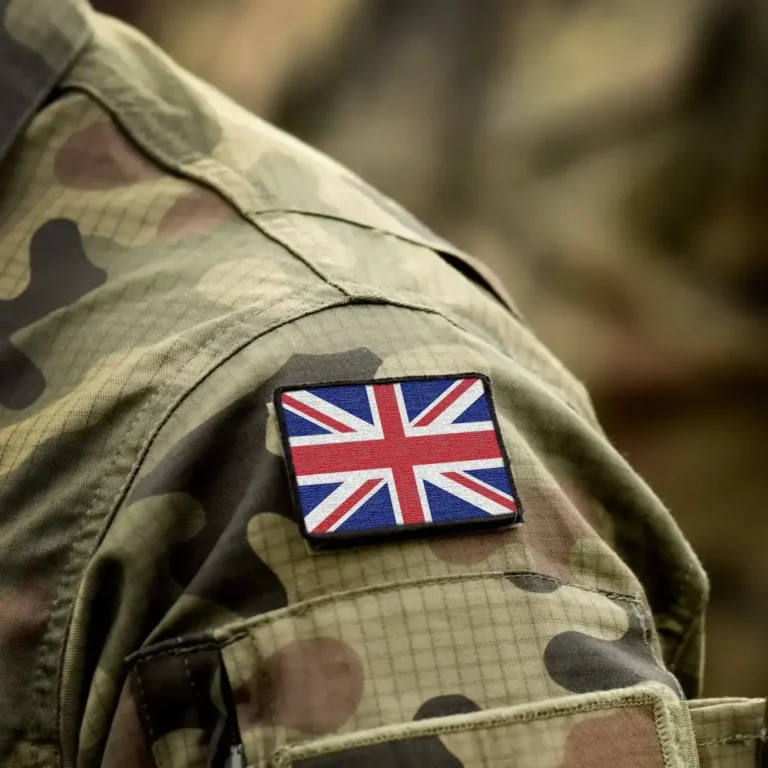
column 236, row 757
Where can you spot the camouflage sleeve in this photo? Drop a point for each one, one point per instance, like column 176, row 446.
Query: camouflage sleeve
column 548, row 644
column 170, row 266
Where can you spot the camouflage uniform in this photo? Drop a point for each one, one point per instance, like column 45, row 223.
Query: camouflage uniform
column 610, row 160
column 167, row 262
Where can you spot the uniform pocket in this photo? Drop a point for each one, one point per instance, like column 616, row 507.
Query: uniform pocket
column 448, row 666
column 634, row 728
column 410, row 652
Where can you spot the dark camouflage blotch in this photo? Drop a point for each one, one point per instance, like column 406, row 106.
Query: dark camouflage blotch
column 582, row 663
column 60, row 274
column 225, row 466
column 21, row 381
column 421, row 752
column 17, row 58
column 532, row 582
column 418, row 752
column 443, row 706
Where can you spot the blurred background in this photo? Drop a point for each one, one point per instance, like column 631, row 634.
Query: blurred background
column 609, row 159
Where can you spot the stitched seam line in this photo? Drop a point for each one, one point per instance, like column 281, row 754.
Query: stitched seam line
column 662, row 732
column 387, row 734
column 143, row 704
column 308, row 606
column 685, row 639
column 188, row 674
column 117, row 112
column 648, row 641
column 438, row 247
column 255, row 213
column 118, row 107
column 737, row 738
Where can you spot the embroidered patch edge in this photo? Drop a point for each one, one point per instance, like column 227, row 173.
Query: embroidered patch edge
column 384, row 534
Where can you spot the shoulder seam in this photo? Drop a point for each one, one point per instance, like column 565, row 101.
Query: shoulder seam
column 345, row 287
column 167, row 163
column 235, row 188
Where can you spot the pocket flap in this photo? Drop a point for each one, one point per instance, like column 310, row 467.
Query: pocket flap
column 731, row 732
column 634, row 728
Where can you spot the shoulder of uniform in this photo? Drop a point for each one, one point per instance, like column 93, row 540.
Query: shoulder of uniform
column 192, row 129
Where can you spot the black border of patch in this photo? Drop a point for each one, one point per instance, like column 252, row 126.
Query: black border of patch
column 394, row 532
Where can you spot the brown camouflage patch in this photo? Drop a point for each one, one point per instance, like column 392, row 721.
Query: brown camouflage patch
column 468, row 550
column 24, row 612
column 127, row 744
column 99, row 157
column 553, row 528
column 311, row 685
column 624, row 739
column 194, row 214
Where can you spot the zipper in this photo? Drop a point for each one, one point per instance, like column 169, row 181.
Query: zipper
column 236, row 758
column 226, row 748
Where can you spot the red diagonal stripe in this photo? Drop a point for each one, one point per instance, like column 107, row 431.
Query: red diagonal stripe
column 444, row 404
column 308, row 410
column 481, row 489
column 398, row 452
column 343, row 508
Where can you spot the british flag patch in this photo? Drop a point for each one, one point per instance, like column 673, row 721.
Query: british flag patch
column 372, row 459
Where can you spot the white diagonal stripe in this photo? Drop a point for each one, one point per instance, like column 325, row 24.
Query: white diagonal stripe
column 437, row 401
column 454, row 410
column 335, row 499
column 328, row 409
column 436, row 477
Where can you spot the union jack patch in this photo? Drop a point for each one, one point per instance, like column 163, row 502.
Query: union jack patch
column 373, row 459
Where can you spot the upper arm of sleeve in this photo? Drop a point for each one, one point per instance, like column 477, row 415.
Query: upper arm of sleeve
column 568, row 603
